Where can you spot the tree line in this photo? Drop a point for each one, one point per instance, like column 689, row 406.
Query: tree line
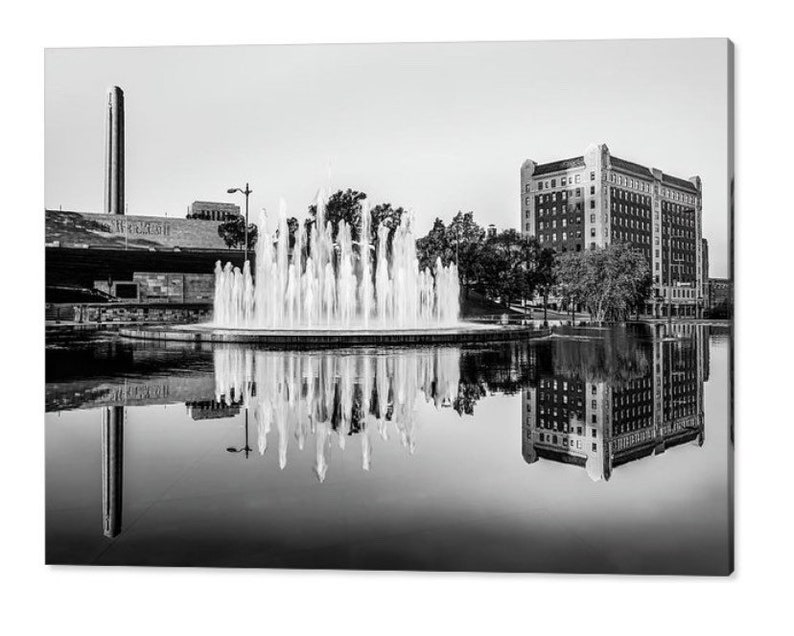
column 504, row 266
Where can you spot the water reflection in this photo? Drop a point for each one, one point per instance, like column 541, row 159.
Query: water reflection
column 593, row 400
column 323, row 398
column 609, row 401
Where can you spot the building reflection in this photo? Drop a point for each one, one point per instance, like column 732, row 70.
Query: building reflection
column 603, row 403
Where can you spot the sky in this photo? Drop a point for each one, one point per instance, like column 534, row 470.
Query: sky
column 435, row 128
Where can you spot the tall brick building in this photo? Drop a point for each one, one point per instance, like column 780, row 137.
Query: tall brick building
column 596, row 199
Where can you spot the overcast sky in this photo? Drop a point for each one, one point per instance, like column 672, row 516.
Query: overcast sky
column 435, row 128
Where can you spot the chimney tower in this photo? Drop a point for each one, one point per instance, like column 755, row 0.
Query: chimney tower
column 114, row 152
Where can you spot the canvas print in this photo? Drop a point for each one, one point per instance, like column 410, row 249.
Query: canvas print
column 447, row 307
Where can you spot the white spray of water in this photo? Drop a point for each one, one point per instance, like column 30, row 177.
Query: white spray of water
column 327, row 282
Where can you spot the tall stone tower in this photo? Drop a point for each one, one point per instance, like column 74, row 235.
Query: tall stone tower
column 114, row 152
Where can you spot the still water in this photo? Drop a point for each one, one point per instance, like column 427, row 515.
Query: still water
column 599, row 451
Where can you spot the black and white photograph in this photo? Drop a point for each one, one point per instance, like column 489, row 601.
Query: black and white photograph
column 429, row 307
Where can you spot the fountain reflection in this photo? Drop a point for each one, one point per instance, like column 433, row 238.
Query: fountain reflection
column 332, row 396
column 606, row 402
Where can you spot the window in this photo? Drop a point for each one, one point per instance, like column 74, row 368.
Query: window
column 592, row 189
column 540, row 185
column 592, row 218
column 595, row 448
column 592, row 233
column 594, row 433
column 592, row 204
column 592, row 175
column 577, row 178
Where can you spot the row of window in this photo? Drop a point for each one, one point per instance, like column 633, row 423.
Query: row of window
column 644, row 186
column 632, row 223
column 562, row 195
column 552, row 225
column 628, row 182
column 562, row 182
column 633, row 197
column 552, row 439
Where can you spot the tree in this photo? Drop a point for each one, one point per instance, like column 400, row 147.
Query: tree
column 610, row 281
column 342, row 205
column 347, row 205
column 503, row 266
column 434, row 245
column 642, row 292
column 385, row 215
column 571, row 278
column 233, row 233
column 466, row 237
column 545, row 275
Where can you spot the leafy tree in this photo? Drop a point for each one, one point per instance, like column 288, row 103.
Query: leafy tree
column 466, row 237
column 610, row 281
column 545, row 275
column 503, row 266
column 435, row 244
column 571, row 279
column 384, row 215
column 347, row 205
column 233, row 233
column 642, row 292
column 342, row 205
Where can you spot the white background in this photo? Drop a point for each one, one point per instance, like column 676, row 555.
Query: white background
column 131, row 601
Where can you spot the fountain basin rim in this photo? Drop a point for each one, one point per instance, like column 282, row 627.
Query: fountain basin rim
column 463, row 333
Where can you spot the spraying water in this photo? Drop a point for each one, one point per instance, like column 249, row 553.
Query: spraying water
column 324, row 281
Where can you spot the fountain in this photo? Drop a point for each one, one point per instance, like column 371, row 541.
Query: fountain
column 321, row 285
column 331, row 282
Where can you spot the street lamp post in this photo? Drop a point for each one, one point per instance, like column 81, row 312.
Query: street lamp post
column 246, row 192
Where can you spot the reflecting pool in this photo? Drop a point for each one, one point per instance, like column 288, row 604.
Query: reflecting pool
column 595, row 451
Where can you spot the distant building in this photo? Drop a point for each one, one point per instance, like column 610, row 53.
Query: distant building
column 137, row 259
column 596, row 199
column 491, row 231
column 213, row 211
column 705, row 259
column 720, row 293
